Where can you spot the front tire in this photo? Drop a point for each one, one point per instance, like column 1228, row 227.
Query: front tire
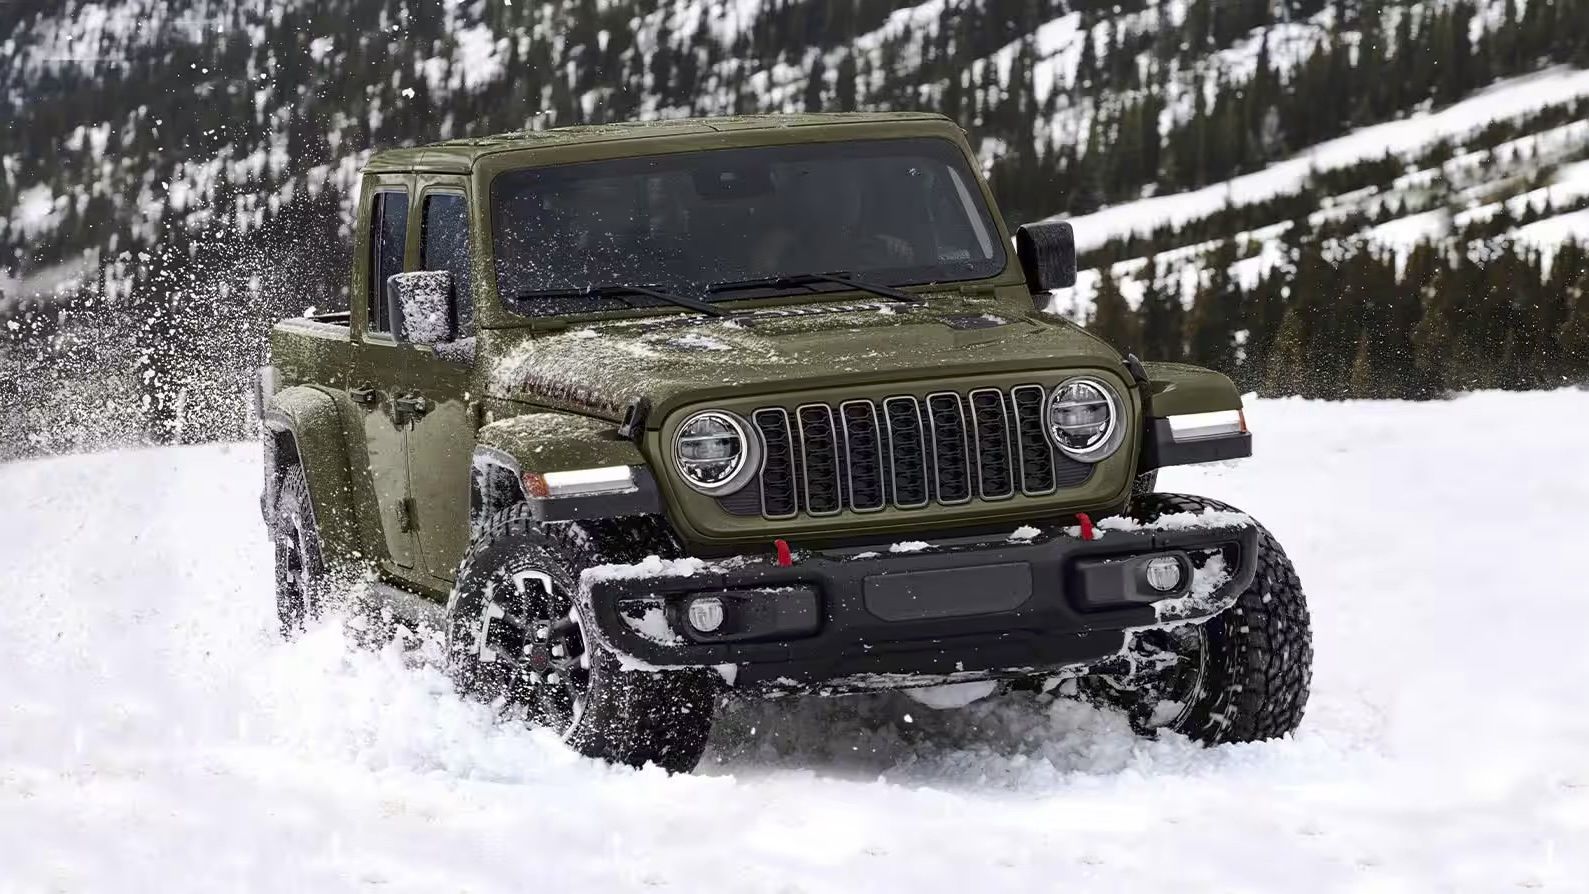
column 1241, row 676
column 517, row 638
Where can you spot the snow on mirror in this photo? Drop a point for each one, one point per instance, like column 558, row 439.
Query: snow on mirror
column 421, row 306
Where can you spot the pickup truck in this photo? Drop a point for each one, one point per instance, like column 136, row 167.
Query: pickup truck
column 639, row 417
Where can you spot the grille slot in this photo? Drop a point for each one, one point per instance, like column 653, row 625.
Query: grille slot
column 779, row 498
column 990, row 427
column 819, row 446
column 951, row 459
column 864, row 449
column 1034, row 453
column 907, row 452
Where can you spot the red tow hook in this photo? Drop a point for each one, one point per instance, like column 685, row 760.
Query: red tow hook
column 1087, row 533
column 785, row 558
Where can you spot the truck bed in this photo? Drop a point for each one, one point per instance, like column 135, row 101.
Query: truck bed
column 315, row 350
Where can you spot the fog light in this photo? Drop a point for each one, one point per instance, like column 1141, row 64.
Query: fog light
column 705, row 613
column 1164, row 573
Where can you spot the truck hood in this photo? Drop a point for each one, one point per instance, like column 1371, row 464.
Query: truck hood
column 600, row 368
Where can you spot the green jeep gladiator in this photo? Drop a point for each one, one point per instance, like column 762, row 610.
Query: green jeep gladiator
column 640, row 416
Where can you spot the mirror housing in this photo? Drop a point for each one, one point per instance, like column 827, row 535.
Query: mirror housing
column 421, row 308
column 1048, row 255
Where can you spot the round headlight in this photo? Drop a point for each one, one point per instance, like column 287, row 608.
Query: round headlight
column 1084, row 421
column 715, row 452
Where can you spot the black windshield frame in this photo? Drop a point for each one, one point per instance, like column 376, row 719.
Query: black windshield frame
column 937, row 203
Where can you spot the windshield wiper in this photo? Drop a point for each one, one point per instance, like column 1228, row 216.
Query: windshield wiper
column 806, row 280
column 626, row 294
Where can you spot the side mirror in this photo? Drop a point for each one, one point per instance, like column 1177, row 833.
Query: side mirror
column 1048, row 255
column 420, row 307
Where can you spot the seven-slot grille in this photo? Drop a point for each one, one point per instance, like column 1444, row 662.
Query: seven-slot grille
column 906, row 452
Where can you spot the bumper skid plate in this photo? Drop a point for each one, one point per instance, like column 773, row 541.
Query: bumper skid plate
column 952, row 609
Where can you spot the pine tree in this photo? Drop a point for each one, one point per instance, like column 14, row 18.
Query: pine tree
column 1573, row 334
column 844, row 86
column 1364, row 382
column 1288, row 369
column 1112, row 318
column 1162, row 319
column 1211, row 328
column 1090, row 179
column 1433, row 339
column 815, row 84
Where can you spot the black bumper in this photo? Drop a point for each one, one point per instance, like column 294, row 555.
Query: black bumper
column 952, row 610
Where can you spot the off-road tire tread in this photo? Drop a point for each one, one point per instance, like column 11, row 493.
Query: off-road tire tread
column 631, row 717
column 1260, row 665
column 293, row 497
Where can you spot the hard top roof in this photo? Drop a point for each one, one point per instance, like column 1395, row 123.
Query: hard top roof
column 460, row 155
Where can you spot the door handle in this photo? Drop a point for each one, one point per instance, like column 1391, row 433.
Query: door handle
column 409, row 407
column 365, row 397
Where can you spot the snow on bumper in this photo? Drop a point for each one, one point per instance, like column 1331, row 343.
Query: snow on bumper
column 1039, row 600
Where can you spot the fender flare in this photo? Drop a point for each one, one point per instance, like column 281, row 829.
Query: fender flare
column 303, row 426
column 553, row 441
column 1179, row 389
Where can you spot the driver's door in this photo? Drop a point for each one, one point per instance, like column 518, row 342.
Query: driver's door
column 379, row 372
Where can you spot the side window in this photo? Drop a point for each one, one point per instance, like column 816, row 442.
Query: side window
column 444, row 245
column 388, row 233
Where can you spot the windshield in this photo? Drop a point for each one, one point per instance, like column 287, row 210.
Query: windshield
column 891, row 212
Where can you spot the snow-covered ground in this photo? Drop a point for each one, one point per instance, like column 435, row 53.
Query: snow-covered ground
column 154, row 734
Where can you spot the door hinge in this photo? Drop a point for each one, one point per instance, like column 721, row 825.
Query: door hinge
column 408, row 408
column 405, row 515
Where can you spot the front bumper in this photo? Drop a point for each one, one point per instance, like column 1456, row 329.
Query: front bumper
column 951, row 610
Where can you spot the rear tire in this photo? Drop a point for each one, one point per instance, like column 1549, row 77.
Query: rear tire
column 301, row 579
column 517, row 638
column 1241, row 676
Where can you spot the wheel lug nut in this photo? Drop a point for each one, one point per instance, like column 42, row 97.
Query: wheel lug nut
column 551, row 678
column 557, row 651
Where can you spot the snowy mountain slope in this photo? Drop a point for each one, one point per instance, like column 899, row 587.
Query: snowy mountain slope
column 294, row 95
column 1511, row 99
column 154, row 735
column 1541, row 173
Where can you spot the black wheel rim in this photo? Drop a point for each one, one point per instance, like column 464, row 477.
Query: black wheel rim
column 1169, row 668
column 535, row 632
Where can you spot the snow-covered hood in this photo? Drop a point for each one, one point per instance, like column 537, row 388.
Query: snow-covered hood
column 600, row 368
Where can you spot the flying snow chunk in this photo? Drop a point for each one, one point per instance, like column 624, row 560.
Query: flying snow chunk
column 952, row 695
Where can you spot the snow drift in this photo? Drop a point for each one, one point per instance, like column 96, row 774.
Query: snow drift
column 155, row 735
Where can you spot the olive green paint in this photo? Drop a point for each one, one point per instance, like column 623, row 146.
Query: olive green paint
column 1180, row 388
column 312, row 417
column 560, row 442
